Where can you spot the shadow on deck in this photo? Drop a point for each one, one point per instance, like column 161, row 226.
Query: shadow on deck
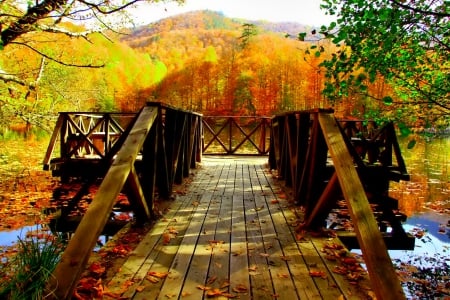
column 232, row 234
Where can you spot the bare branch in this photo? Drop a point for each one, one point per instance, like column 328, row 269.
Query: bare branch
column 27, row 22
column 83, row 34
column 12, row 78
column 112, row 10
column 58, row 61
column 421, row 11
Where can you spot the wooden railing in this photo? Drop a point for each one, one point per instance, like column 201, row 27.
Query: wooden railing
column 245, row 135
column 324, row 161
column 165, row 141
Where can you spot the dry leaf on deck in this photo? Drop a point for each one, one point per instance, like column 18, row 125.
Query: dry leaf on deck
column 240, row 288
column 158, row 274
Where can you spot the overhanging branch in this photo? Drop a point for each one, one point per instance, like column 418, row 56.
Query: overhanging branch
column 59, row 61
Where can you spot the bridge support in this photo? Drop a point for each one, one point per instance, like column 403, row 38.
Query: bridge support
column 301, row 144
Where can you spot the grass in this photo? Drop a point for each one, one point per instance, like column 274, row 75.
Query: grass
column 24, row 276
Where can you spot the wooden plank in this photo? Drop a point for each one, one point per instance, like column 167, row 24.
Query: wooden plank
column 385, row 282
column 360, row 289
column 177, row 281
column 259, row 267
column 218, row 274
column 152, row 248
column 197, row 274
column 273, row 241
column 282, row 218
column 68, row 271
column 163, row 255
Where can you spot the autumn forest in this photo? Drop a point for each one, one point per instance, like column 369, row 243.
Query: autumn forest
column 201, row 61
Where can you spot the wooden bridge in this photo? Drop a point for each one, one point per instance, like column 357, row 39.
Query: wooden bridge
column 232, row 233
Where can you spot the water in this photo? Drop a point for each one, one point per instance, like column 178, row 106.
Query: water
column 426, row 198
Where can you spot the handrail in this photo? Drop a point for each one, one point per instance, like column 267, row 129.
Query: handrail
column 236, row 135
column 300, row 145
column 146, row 135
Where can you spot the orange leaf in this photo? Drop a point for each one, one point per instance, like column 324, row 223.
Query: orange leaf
column 152, row 279
column 97, row 268
column 211, row 280
column 140, row 288
column 158, row 274
column 214, row 292
column 166, row 238
column 173, row 230
column 203, row 288
column 350, row 261
column 240, row 288
column 317, row 274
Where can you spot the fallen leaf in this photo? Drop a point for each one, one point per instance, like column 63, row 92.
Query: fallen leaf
column 240, row 288
column 225, row 284
column 214, row 293
column 173, row 231
column 140, row 288
column 97, row 268
column 166, row 237
column 320, row 274
column 160, row 275
column 203, row 287
column 211, row 280
column 152, row 279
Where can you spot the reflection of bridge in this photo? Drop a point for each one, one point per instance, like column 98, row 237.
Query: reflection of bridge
column 237, row 217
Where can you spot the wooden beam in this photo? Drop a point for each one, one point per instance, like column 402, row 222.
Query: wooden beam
column 73, row 261
column 51, row 145
column 382, row 274
column 324, row 204
column 136, row 194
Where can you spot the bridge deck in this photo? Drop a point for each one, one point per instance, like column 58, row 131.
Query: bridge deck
column 233, row 234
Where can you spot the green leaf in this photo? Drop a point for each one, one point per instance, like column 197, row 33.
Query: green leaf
column 404, row 130
column 301, row 36
column 388, row 100
column 411, row 144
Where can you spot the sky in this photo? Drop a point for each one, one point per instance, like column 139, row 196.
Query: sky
column 306, row 12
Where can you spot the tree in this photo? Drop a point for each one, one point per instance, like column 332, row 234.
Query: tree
column 405, row 42
column 34, row 40
column 18, row 25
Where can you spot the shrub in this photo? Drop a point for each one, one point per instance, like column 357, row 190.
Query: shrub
column 26, row 273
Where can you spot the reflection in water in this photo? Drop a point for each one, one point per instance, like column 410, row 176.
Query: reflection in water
column 426, row 198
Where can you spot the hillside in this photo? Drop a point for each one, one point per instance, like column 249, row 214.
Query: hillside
column 218, row 65
column 206, row 20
